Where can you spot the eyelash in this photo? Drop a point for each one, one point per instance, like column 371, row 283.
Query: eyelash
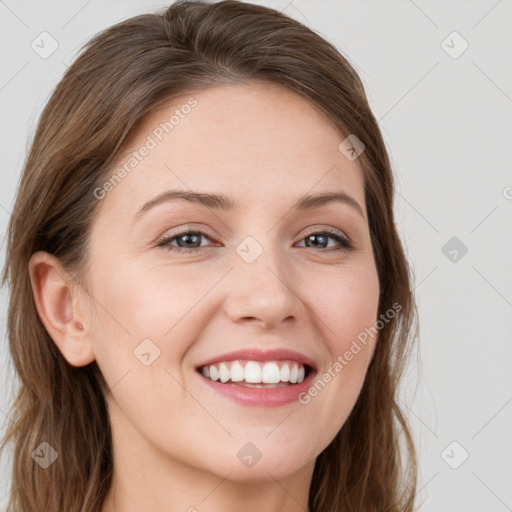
column 346, row 245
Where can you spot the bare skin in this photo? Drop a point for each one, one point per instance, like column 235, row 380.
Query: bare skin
column 175, row 440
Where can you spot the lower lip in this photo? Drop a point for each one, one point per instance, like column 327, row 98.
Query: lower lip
column 260, row 397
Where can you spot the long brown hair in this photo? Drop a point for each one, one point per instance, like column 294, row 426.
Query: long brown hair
column 121, row 76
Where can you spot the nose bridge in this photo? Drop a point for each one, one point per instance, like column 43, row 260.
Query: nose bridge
column 260, row 282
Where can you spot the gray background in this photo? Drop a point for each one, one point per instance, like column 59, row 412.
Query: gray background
column 447, row 120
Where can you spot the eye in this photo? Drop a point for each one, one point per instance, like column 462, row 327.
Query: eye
column 187, row 239
column 190, row 241
column 320, row 238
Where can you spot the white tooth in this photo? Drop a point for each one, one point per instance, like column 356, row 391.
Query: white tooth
column 285, row 372
column 206, row 372
column 214, row 373
column 270, row 374
column 252, row 372
column 301, row 374
column 294, row 373
column 223, row 372
column 237, row 372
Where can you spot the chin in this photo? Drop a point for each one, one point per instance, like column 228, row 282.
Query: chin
column 250, row 465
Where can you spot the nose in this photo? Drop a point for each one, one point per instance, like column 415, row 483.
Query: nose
column 262, row 292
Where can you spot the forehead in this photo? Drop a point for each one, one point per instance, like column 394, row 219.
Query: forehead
column 255, row 142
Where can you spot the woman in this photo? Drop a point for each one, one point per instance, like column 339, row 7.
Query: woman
column 210, row 305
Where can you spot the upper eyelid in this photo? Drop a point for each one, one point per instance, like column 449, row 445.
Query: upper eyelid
column 190, row 229
column 204, row 233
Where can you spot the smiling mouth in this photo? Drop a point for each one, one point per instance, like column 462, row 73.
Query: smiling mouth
column 257, row 374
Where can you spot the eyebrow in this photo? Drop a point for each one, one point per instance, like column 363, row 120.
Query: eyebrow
column 222, row 202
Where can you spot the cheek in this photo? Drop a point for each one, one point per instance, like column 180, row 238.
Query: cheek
column 134, row 304
column 348, row 310
column 142, row 330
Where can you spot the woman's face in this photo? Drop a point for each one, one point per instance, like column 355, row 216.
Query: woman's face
column 257, row 274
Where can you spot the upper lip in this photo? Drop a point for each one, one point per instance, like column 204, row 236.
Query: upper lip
column 259, row 354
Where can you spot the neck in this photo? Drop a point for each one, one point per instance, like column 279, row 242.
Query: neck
column 191, row 490
column 146, row 479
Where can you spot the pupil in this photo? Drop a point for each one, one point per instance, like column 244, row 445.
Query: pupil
column 321, row 237
column 188, row 238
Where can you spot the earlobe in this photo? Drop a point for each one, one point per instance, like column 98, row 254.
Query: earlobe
column 57, row 300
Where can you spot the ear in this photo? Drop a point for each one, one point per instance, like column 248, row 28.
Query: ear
column 59, row 302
